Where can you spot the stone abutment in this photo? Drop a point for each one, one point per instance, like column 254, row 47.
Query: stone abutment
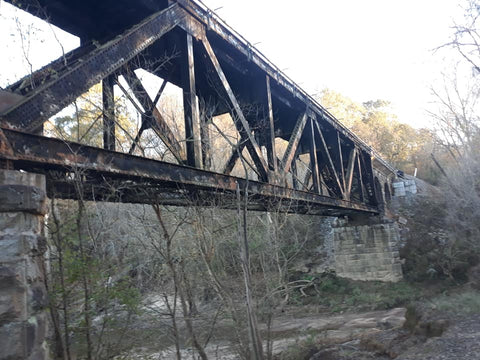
column 23, row 298
column 368, row 251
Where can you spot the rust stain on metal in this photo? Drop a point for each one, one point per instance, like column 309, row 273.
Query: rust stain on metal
column 6, row 150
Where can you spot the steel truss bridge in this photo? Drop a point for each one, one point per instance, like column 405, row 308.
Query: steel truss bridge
column 213, row 64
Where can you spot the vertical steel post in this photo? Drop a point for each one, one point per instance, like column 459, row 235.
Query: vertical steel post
column 190, row 106
column 270, row 143
column 205, row 118
column 313, row 159
column 294, row 172
column 108, row 113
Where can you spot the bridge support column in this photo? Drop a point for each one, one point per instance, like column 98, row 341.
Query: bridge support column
column 367, row 250
column 23, row 298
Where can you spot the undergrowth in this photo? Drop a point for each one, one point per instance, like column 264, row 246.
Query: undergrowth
column 467, row 302
column 337, row 294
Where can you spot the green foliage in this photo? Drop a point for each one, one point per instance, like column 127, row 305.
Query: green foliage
column 435, row 258
column 340, row 294
column 302, row 349
column 438, row 244
column 374, row 122
column 467, row 302
column 84, row 274
column 332, row 284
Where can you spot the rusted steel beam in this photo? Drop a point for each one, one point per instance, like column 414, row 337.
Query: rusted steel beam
column 368, row 179
column 349, row 174
column 31, row 82
column 38, row 153
column 160, row 92
column 152, row 118
column 108, row 113
column 190, row 106
column 56, row 94
column 137, row 139
column 340, row 158
column 232, row 160
column 206, row 145
column 144, row 126
column 313, row 159
column 293, row 142
column 328, row 178
column 131, row 99
column 306, row 180
column 205, row 119
column 243, row 127
column 360, row 177
column 271, row 151
column 237, row 154
column 329, row 163
column 8, row 99
column 294, row 173
column 6, row 150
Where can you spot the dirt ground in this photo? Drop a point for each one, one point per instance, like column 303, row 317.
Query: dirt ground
column 435, row 336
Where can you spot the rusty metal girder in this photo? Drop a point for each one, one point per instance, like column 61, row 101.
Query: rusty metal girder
column 137, row 174
column 57, row 93
column 295, row 137
column 152, row 116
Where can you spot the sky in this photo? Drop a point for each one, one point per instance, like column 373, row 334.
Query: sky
column 366, row 50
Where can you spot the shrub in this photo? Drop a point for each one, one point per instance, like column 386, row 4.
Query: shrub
column 464, row 303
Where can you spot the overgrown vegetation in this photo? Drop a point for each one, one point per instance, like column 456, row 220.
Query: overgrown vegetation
column 116, row 266
column 330, row 293
column 467, row 302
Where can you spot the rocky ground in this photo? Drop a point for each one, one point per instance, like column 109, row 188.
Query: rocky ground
column 291, row 330
column 461, row 340
column 427, row 334
column 445, row 327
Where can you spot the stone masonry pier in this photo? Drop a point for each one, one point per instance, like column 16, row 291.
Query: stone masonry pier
column 368, row 252
column 23, row 299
